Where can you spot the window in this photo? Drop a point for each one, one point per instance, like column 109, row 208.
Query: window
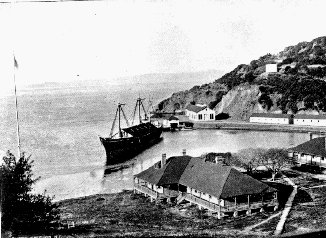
column 211, row 116
column 200, row 117
column 322, row 158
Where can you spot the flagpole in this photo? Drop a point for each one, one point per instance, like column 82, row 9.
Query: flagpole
column 16, row 103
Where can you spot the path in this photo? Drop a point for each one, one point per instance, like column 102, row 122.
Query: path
column 249, row 228
column 287, row 208
column 318, row 186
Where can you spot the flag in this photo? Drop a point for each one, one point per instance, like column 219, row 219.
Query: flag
column 15, row 63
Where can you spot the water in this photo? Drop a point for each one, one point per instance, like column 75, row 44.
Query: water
column 60, row 128
column 195, row 142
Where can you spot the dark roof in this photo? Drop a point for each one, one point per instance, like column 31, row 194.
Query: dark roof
column 313, row 147
column 175, row 167
column 271, row 115
column 214, row 179
column 183, row 118
column 205, row 177
column 155, row 116
column 151, row 175
column 305, row 116
column 238, row 183
column 195, row 108
column 173, row 118
column 170, row 173
column 140, row 129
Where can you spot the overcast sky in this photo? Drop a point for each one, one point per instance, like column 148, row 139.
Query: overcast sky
column 55, row 42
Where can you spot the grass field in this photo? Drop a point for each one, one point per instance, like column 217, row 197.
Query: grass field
column 127, row 214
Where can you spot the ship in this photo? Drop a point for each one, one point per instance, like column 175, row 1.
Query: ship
column 132, row 140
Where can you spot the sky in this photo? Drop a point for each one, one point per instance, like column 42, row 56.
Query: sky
column 71, row 41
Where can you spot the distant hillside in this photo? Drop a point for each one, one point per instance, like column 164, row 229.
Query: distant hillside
column 298, row 87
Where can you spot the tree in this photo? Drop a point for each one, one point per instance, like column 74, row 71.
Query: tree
column 275, row 160
column 250, row 158
column 265, row 101
column 22, row 211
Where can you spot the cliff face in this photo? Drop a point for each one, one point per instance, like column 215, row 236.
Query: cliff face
column 298, row 86
column 209, row 94
column 241, row 101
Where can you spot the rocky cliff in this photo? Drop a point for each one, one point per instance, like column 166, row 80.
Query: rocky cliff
column 298, row 86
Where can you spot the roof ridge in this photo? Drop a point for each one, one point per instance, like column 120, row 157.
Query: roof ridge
column 166, row 165
column 226, row 178
column 169, row 163
column 190, row 158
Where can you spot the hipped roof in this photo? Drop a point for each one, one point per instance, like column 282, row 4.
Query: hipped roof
column 305, row 116
column 214, row 179
column 195, row 108
column 271, row 115
column 173, row 118
column 313, row 147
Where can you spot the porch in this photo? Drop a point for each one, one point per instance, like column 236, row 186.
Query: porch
column 162, row 194
column 232, row 206
column 308, row 159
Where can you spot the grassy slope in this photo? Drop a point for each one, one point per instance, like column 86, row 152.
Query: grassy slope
column 126, row 214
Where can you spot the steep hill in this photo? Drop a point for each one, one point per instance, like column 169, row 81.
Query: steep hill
column 298, row 86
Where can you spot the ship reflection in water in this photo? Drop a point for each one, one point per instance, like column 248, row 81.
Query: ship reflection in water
column 120, row 177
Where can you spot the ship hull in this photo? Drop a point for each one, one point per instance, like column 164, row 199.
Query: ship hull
column 123, row 149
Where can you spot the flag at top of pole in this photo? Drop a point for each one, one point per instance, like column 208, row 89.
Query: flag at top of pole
column 15, row 63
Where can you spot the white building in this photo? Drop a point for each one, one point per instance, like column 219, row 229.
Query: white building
column 271, row 118
column 200, row 113
column 312, row 152
column 172, row 122
column 271, row 68
column 310, row 120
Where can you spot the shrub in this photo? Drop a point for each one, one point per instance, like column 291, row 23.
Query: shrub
column 22, row 211
column 222, row 116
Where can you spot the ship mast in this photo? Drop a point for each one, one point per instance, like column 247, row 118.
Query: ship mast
column 120, row 131
column 139, row 104
column 118, row 114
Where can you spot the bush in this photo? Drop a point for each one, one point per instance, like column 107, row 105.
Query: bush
column 265, row 101
column 222, row 116
column 23, row 212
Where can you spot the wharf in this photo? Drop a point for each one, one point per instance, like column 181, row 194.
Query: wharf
column 243, row 125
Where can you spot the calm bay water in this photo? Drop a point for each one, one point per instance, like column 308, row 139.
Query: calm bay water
column 60, row 128
column 195, row 142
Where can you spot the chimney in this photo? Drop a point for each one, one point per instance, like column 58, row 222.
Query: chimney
column 184, row 152
column 310, row 135
column 163, row 160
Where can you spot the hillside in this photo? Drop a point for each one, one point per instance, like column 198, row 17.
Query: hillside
column 298, row 86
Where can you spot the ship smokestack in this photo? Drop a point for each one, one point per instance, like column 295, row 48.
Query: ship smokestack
column 184, row 152
column 163, row 160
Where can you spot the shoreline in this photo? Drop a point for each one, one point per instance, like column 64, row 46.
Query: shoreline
column 243, row 125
